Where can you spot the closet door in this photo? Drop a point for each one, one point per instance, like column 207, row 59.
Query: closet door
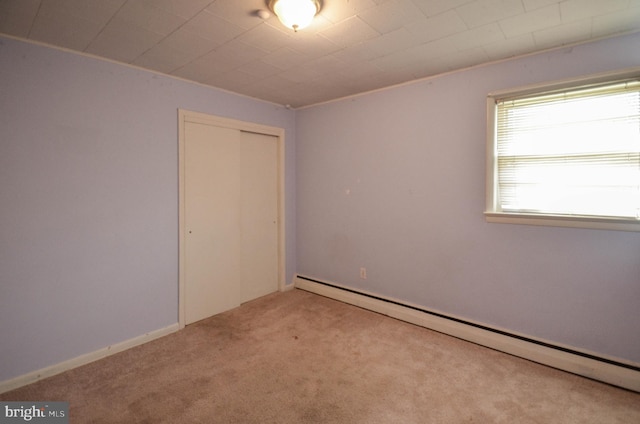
column 259, row 215
column 212, row 218
column 231, row 239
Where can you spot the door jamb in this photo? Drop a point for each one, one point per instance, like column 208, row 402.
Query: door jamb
column 185, row 116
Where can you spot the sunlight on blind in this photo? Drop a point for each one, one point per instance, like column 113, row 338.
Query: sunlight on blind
column 571, row 153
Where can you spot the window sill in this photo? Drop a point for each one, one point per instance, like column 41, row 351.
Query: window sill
column 597, row 223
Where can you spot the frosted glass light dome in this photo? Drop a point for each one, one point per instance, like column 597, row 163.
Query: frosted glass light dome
column 295, row 14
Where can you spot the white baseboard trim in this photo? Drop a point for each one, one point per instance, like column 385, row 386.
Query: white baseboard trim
column 287, row 287
column 601, row 370
column 32, row 377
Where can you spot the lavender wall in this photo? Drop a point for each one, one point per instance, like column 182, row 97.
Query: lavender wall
column 394, row 181
column 89, row 200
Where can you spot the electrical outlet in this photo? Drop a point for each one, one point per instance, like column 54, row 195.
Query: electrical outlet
column 363, row 273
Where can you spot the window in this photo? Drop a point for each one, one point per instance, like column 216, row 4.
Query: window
column 567, row 154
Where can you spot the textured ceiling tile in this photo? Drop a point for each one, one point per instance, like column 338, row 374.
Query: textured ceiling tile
column 613, row 23
column 573, row 10
column 233, row 80
column 174, row 52
column 320, row 90
column 531, row 21
column 183, row 8
column 395, row 61
column 391, row 15
column 398, row 77
column 356, row 71
column 567, row 33
column 208, row 64
column 429, row 69
column 381, row 46
column 487, row 11
column 530, row 5
column 209, row 26
column 478, row 36
column 143, row 15
column 458, row 60
column 318, row 24
column 277, row 89
column 236, row 53
column 285, row 58
column 332, row 65
column 337, row 11
column 351, row 45
column 510, row 47
column 319, row 69
column 437, row 27
column 71, row 32
column 241, row 13
column 433, row 49
column 123, row 42
column 258, row 69
column 312, row 45
column 415, row 56
column 17, row 16
column 98, row 11
column 265, row 37
column 200, row 69
column 467, row 58
column 436, row 7
column 187, row 43
column 72, row 23
column 163, row 59
column 305, row 72
column 349, row 31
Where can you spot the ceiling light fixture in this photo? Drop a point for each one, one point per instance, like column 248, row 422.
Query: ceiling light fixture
column 295, row 14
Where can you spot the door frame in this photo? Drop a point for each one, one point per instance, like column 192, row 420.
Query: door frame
column 185, row 116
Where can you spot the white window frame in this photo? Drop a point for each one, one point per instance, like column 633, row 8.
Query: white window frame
column 492, row 212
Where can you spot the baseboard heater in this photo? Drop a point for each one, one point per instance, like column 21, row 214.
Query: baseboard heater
column 597, row 367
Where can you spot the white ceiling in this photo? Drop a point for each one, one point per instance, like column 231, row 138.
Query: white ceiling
column 353, row 46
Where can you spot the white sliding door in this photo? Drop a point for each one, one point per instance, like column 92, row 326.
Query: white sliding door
column 230, row 210
column 258, row 215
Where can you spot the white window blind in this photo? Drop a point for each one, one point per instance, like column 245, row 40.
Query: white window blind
column 572, row 152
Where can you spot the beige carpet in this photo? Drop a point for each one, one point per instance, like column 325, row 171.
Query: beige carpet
column 296, row 357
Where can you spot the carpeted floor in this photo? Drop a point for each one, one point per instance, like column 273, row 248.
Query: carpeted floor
column 296, row 357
